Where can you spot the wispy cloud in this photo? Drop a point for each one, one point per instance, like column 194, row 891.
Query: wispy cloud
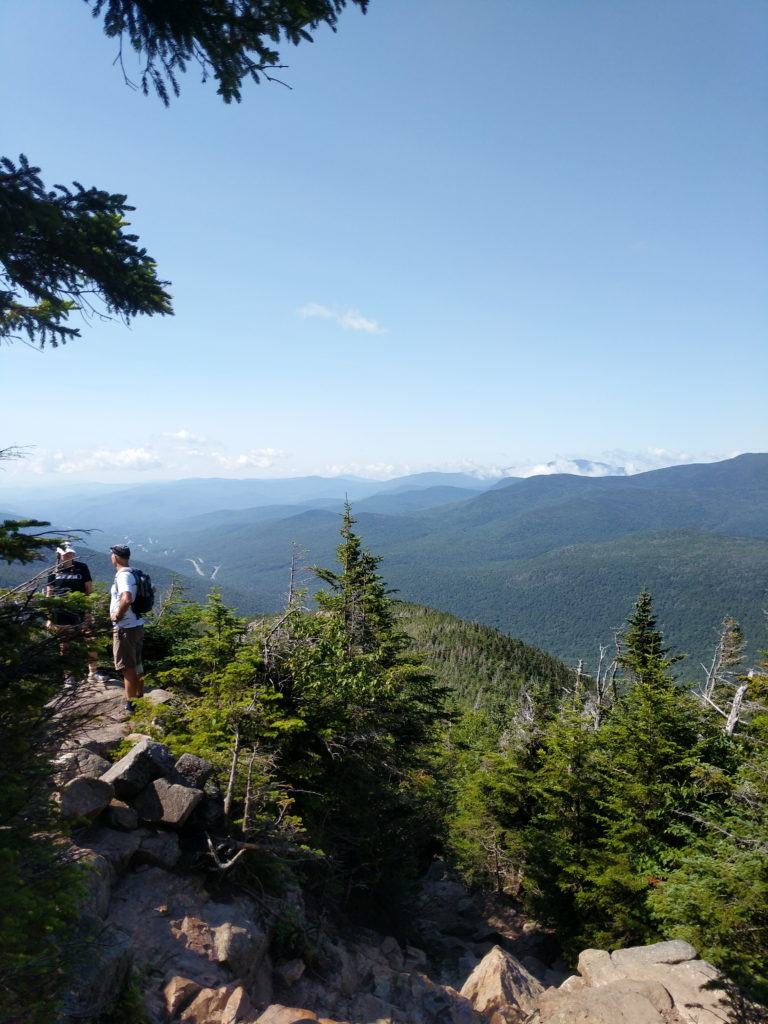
column 254, row 458
column 106, row 458
column 185, row 436
column 350, row 319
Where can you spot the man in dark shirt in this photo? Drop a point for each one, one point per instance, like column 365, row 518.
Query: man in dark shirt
column 71, row 577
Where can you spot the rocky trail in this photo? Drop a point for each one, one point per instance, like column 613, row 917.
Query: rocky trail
column 208, row 954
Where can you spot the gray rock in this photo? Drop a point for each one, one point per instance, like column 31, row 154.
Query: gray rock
column 178, row 992
column 192, row 770
column 695, row 989
column 675, row 951
column 85, row 797
column 159, row 696
column 97, row 881
column 101, row 974
column 597, row 968
column 167, row 803
column 240, row 946
column 116, row 847
column 143, row 764
column 618, row 1002
column 208, row 816
column 77, row 762
column 119, row 815
column 500, row 986
column 160, row 848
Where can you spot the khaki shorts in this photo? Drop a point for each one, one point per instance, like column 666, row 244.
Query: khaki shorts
column 126, row 648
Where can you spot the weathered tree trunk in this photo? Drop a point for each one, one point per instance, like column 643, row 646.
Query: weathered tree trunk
column 230, row 794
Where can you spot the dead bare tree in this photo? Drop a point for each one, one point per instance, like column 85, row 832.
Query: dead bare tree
column 603, row 691
column 724, row 689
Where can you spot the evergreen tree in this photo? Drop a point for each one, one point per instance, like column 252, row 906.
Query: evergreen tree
column 649, row 752
column 61, row 248
column 717, row 898
column 560, row 840
column 358, row 596
column 232, row 40
column 38, row 893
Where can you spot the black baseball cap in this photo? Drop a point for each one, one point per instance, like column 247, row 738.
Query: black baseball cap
column 121, row 550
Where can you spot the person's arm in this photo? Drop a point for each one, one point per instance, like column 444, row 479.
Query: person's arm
column 123, row 606
column 88, row 587
column 87, row 580
column 125, row 595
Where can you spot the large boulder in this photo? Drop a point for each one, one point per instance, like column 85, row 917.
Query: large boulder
column 502, row 988
column 226, row 1005
column 117, row 848
column 81, row 761
column 674, row 951
column 178, row 993
column 105, row 962
column 617, row 1002
column 121, row 816
column 85, row 798
column 596, row 967
column 97, row 877
column 636, row 976
column 238, row 944
column 279, row 1014
column 192, row 770
column 159, row 848
column 144, row 763
column 695, row 987
column 167, row 803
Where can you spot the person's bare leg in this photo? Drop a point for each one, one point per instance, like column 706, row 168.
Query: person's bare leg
column 140, row 692
column 93, row 663
column 131, row 681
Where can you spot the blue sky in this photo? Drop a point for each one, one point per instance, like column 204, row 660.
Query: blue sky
column 471, row 234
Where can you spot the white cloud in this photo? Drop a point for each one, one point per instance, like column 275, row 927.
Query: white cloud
column 106, row 458
column 350, row 319
column 186, row 436
column 255, row 458
column 612, row 463
column 369, row 470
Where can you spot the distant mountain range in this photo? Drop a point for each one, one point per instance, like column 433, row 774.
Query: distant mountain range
column 556, row 560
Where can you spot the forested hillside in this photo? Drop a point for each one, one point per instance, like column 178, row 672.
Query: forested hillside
column 548, row 559
column 480, row 666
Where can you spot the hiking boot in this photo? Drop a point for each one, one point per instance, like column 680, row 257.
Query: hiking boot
column 129, row 706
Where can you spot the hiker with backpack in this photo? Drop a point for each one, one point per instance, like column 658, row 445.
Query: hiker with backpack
column 131, row 597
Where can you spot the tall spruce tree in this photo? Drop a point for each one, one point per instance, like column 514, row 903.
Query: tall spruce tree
column 561, row 838
column 717, row 898
column 648, row 758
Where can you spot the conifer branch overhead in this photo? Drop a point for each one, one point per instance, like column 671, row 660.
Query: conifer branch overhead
column 61, row 247
column 232, row 41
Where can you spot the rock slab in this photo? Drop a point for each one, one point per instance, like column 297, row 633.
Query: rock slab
column 167, row 803
column 192, row 770
column 85, row 797
column 500, row 987
column 144, row 763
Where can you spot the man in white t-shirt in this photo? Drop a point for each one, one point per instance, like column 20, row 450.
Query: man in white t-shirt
column 127, row 627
